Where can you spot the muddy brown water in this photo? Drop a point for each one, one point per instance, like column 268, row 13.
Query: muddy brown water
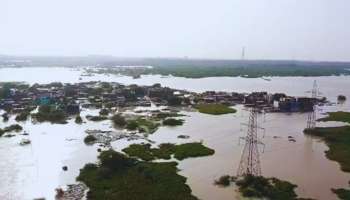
column 36, row 170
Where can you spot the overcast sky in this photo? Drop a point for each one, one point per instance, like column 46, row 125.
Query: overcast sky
column 269, row 29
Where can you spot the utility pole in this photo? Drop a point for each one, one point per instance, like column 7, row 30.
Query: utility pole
column 311, row 118
column 250, row 159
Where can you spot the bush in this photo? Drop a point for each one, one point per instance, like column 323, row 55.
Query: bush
column 104, row 111
column 118, row 120
column 223, row 181
column 78, row 119
column 115, row 160
column 23, row 116
column 89, row 139
column 173, row 122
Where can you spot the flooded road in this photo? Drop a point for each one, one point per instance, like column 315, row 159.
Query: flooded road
column 35, row 170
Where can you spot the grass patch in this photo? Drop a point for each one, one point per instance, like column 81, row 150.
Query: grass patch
column 164, row 151
column 173, row 122
column 337, row 116
column 164, row 115
column 338, row 141
column 143, row 125
column 270, row 188
column 215, row 109
column 118, row 177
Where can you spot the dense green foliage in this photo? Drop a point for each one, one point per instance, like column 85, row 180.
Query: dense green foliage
column 96, row 118
column 337, row 116
column 13, row 127
column 338, row 141
column 173, row 122
column 143, row 125
column 164, row 151
column 23, row 116
column 118, row 177
column 118, row 120
column 190, row 71
column 215, row 109
column 89, row 139
column 163, row 115
column 270, row 188
column 342, row 193
column 223, row 181
column 212, row 68
column 78, row 119
column 50, row 114
column 104, row 111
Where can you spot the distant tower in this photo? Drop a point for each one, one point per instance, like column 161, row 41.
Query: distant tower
column 243, row 53
column 250, row 159
column 311, row 118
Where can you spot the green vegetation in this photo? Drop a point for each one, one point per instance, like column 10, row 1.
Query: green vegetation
column 213, row 68
column 338, row 141
column 78, row 119
column 50, row 114
column 215, row 109
column 14, row 127
column 223, row 181
column 23, row 116
column 104, row 112
column 270, row 188
column 5, row 117
column 143, row 125
column 89, row 139
column 164, row 115
column 342, row 193
column 96, row 118
column 164, row 151
column 173, row 122
column 118, row 120
column 337, row 116
column 118, row 177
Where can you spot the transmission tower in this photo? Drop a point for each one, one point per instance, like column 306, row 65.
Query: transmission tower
column 250, row 161
column 311, row 118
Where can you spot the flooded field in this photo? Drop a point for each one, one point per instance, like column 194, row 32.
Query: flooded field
column 35, row 170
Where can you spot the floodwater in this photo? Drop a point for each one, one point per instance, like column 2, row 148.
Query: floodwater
column 35, row 170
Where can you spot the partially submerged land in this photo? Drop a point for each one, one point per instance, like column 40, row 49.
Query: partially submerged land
column 338, row 141
column 120, row 177
column 260, row 187
column 166, row 150
column 215, row 109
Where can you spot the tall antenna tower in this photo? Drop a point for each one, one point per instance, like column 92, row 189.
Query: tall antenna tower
column 250, row 160
column 243, row 53
column 311, row 118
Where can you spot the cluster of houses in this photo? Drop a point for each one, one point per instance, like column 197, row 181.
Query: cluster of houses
column 71, row 97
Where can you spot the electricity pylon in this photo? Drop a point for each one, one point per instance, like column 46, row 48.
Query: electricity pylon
column 311, row 118
column 250, row 160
